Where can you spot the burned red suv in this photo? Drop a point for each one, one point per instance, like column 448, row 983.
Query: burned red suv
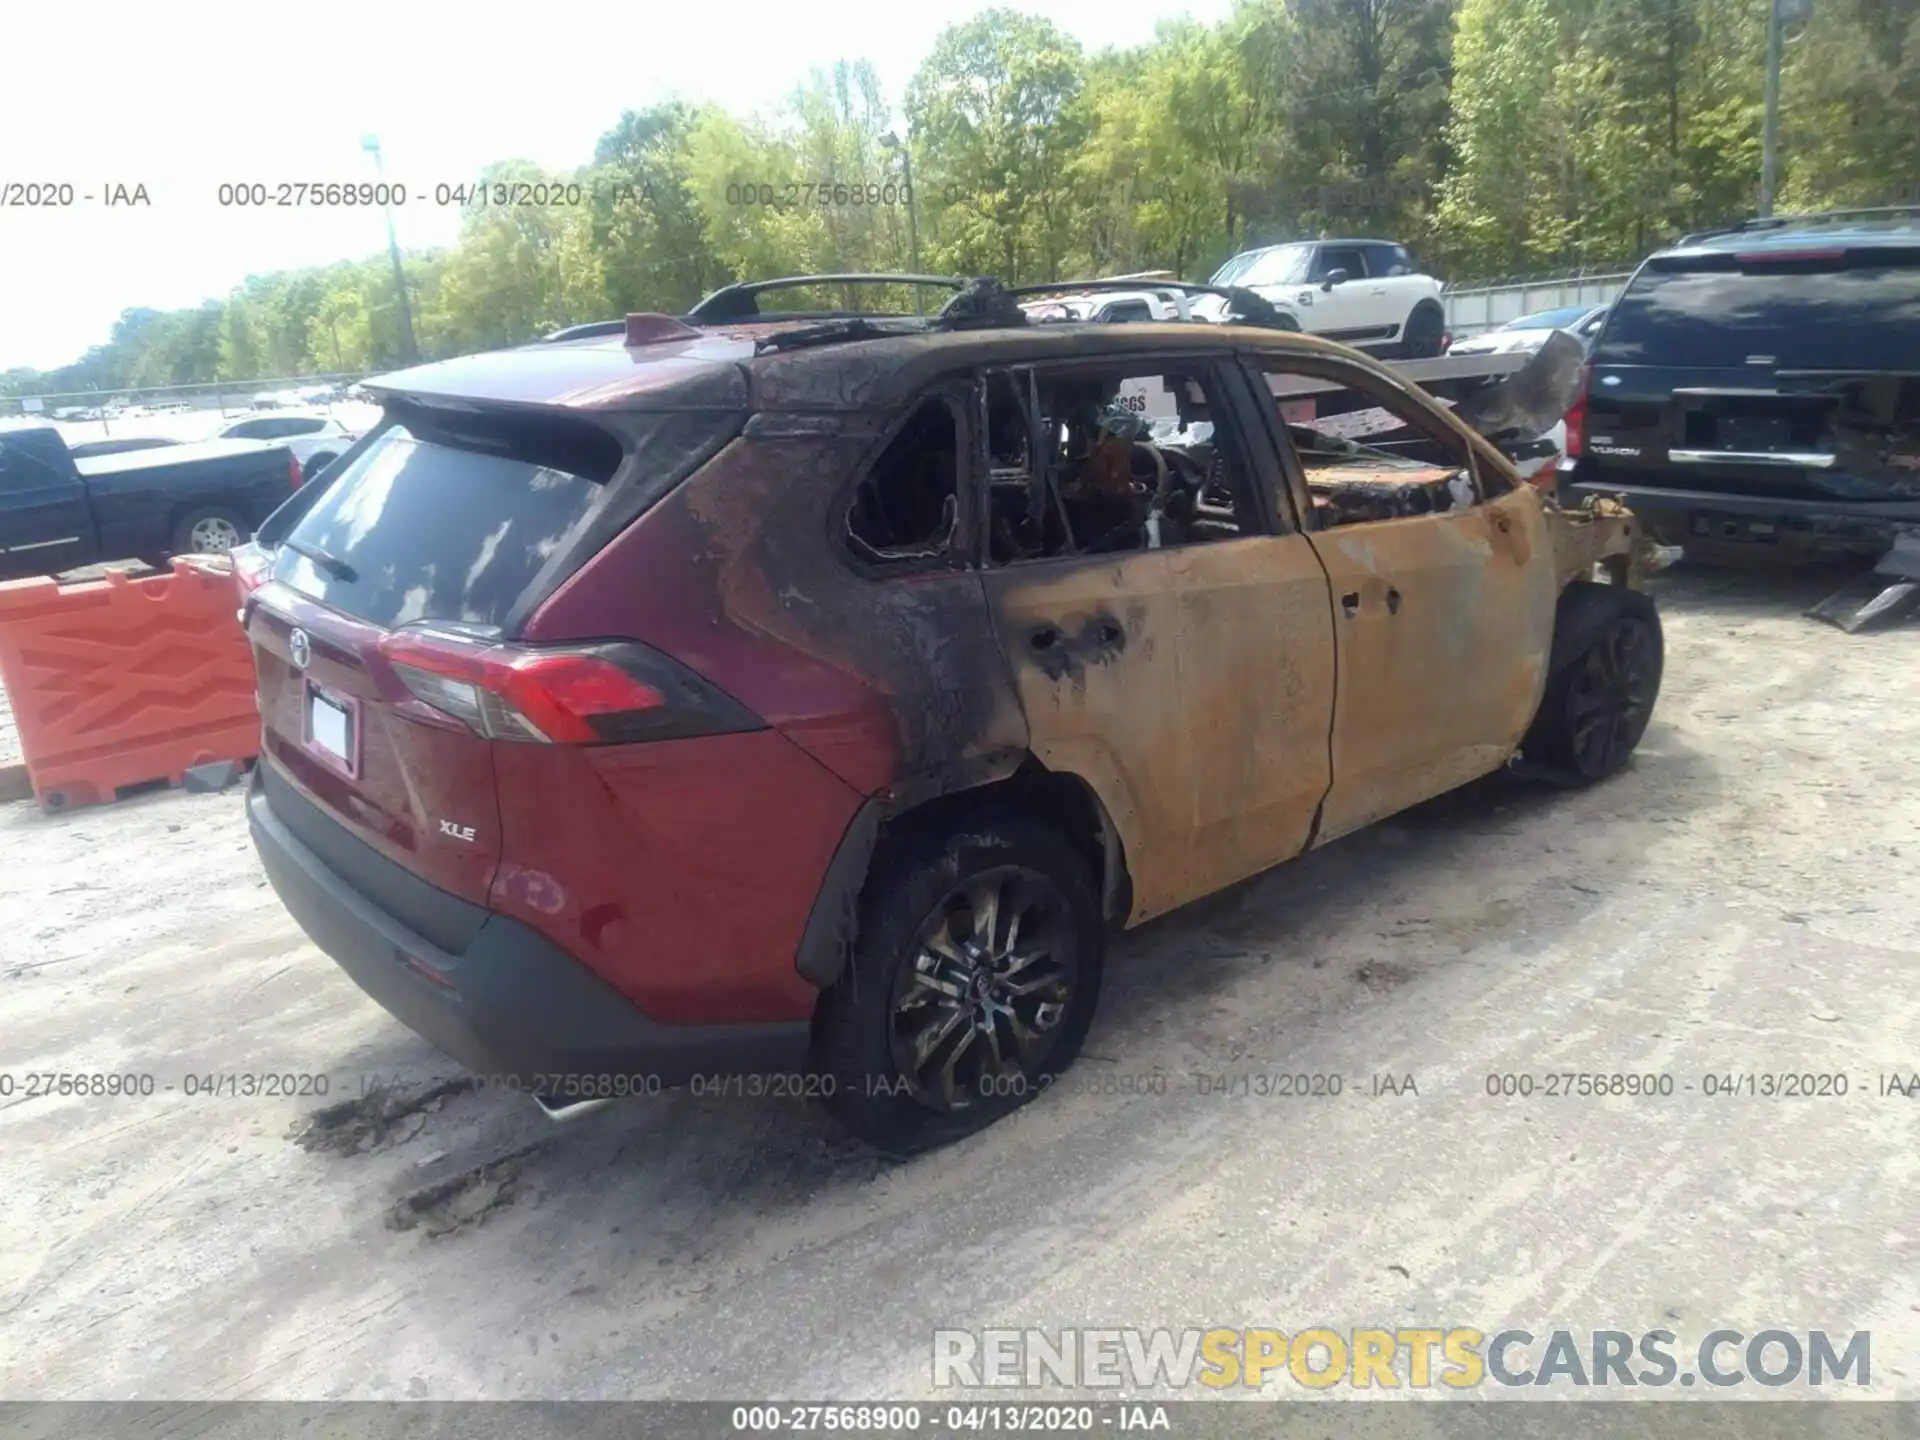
column 809, row 694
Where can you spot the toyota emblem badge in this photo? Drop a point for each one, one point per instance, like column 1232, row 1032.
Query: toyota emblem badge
column 299, row 649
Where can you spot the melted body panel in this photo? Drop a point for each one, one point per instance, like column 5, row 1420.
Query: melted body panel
column 740, row 574
column 1444, row 625
column 1192, row 689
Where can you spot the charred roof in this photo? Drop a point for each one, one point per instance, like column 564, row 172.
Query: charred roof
column 745, row 368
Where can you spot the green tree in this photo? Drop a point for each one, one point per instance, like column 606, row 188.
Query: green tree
column 993, row 114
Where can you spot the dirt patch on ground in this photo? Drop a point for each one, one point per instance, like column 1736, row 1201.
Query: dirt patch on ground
column 387, row 1114
column 467, row 1198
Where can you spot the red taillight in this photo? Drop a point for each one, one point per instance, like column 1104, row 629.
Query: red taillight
column 251, row 566
column 1576, row 417
column 293, row 465
column 553, row 697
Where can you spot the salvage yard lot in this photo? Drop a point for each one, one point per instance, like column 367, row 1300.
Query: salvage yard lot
column 1746, row 900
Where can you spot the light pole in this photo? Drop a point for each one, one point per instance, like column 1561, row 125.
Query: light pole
column 371, row 144
column 1781, row 13
column 892, row 141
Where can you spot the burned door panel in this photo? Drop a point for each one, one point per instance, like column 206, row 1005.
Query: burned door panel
column 1257, row 671
column 1094, row 646
column 1443, row 625
column 1191, row 688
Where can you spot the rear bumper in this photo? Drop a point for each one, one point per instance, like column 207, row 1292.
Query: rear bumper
column 1696, row 517
column 511, row 1004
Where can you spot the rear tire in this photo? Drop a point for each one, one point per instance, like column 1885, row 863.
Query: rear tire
column 1603, row 681
column 208, row 530
column 1426, row 328
column 955, row 1008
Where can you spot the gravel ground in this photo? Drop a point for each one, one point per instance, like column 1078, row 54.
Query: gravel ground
column 9, row 737
column 1744, row 900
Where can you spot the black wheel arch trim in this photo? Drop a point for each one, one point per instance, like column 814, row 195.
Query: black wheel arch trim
column 826, row 942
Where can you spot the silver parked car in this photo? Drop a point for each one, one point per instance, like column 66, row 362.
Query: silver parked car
column 315, row 440
column 1528, row 333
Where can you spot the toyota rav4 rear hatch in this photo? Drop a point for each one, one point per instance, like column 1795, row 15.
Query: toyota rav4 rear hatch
column 1789, row 372
column 384, row 636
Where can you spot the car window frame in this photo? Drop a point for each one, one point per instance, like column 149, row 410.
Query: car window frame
column 1320, row 269
column 1385, row 392
column 1255, row 469
column 955, row 393
column 1380, row 256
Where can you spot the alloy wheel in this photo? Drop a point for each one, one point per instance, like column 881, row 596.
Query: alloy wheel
column 214, row 536
column 978, row 1006
column 1611, row 696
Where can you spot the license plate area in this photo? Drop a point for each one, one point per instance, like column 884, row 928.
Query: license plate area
column 330, row 727
column 1746, row 425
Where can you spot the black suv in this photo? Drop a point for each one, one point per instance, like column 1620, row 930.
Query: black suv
column 1760, row 386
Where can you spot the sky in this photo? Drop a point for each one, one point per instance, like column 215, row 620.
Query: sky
column 184, row 96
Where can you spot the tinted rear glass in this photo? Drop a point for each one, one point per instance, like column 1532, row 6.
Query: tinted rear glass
column 434, row 531
column 1861, row 314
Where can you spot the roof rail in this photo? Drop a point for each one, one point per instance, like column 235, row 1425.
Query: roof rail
column 732, row 304
column 1811, row 217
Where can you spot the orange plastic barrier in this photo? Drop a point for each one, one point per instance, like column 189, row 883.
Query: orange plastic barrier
column 121, row 682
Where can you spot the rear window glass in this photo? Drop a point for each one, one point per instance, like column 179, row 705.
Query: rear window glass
column 1800, row 316
column 1546, row 320
column 416, row 529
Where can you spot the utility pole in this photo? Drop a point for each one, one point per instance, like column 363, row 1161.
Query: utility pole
column 1770, row 136
column 1781, row 13
column 371, row 144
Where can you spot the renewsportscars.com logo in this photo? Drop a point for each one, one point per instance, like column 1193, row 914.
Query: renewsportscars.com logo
column 1418, row 1358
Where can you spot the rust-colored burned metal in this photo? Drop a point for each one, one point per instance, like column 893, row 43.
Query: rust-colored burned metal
column 1602, row 533
column 1191, row 688
column 1444, row 626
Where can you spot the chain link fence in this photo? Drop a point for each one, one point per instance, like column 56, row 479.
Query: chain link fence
column 180, row 412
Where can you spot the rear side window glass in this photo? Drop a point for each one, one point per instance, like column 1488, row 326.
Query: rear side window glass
column 420, row 528
column 1825, row 315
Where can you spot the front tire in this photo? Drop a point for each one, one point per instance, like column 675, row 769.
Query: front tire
column 1425, row 329
column 1603, row 680
column 971, row 986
